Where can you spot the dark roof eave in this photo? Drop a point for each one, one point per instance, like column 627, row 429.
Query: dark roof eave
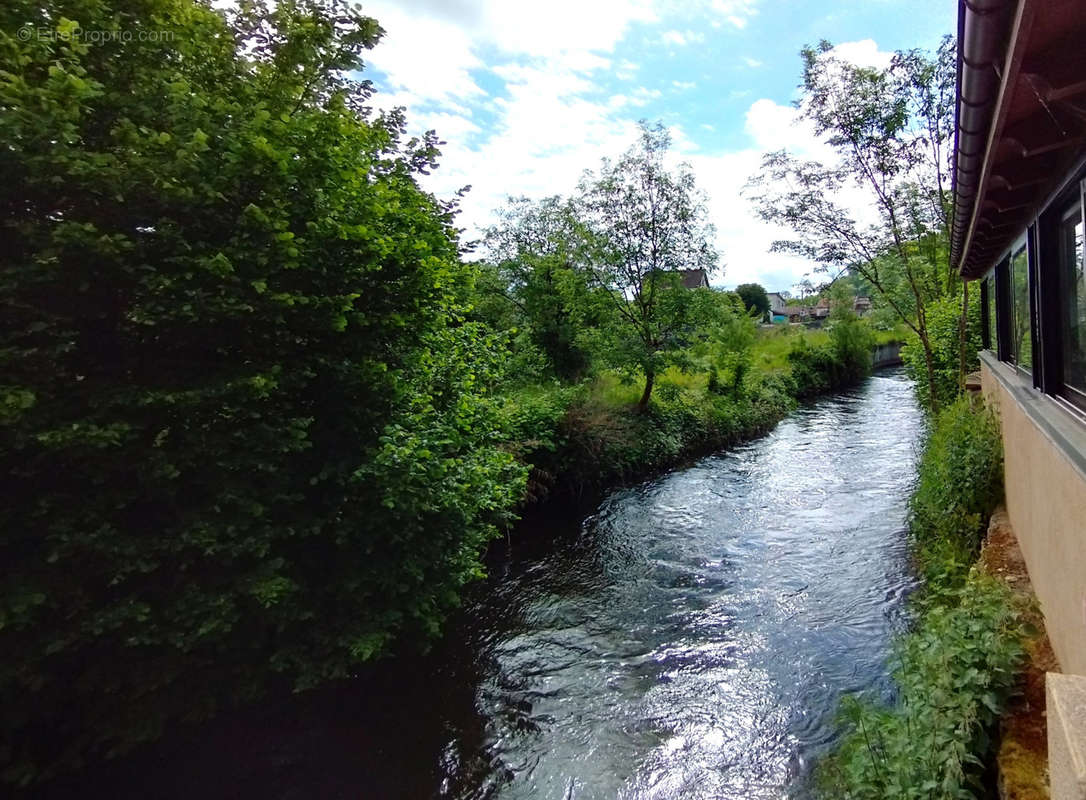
column 983, row 29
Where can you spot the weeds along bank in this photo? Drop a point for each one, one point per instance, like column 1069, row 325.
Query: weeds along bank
column 959, row 665
column 591, row 434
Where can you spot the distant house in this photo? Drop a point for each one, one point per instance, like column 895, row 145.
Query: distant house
column 688, row 278
column 694, row 278
column 793, row 313
column 776, row 302
column 822, row 308
column 861, row 305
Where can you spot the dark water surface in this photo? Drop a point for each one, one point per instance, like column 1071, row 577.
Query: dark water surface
column 690, row 638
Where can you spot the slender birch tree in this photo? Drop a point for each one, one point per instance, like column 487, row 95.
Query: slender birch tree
column 891, row 130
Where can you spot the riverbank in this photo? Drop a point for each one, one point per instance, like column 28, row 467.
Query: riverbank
column 1021, row 764
column 583, row 438
column 961, row 662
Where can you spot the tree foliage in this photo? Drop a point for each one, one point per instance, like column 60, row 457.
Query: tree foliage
column 648, row 223
column 891, row 131
column 754, row 298
column 246, row 434
column 537, row 250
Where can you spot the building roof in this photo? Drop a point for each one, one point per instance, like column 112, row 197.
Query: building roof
column 1020, row 119
column 694, row 278
column 789, row 311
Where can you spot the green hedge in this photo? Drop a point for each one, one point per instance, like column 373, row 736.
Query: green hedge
column 944, row 319
column 959, row 484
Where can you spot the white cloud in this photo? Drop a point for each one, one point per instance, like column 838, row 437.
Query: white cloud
column 772, row 126
column 643, row 96
column 864, row 53
column 626, row 70
column 552, row 118
column 751, row 62
column 735, row 12
column 682, row 38
column 673, row 37
column 411, row 48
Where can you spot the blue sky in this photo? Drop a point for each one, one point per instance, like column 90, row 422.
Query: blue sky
column 528, row 94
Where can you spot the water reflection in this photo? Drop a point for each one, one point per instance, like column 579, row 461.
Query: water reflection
column 694, row 639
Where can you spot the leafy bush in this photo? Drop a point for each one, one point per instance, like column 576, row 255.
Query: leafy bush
column 814, row 370
column 852, row 343
column 944, row 317
column 598, row 441
column 247, row 437
column 960, row 482
column 955, row 674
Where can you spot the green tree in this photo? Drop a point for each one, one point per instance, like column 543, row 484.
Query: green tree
column 245, row 434
column 944, row 330
column 646, row 225
column 537, row 250
column 850, row 338
column 891, row 130
column 755, row 299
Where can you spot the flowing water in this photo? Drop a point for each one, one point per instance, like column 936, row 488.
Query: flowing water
column 690, row 638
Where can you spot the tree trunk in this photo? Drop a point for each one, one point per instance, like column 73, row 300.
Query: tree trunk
column 650, row 379
column 929, row 361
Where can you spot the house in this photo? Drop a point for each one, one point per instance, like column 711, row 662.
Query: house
column 694, row 278
column 793, row 313
column 861, row 305
column 776, row 302
column 1018, row 224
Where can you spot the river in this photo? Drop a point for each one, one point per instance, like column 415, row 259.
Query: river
column 690, row 637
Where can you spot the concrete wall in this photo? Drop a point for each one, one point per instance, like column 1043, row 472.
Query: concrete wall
column 885, row 355
column 1065, row 701
column 1045, row 454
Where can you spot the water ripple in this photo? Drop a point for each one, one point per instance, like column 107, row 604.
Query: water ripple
column 694, row 639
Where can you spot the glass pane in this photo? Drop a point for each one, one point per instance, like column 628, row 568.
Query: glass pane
column 1073, row 299
column 1021, row 345
column 990, row 287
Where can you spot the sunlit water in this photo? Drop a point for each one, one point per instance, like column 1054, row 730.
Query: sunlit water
column 691, row 638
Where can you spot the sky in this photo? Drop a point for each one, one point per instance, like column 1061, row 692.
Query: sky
column 527, row 94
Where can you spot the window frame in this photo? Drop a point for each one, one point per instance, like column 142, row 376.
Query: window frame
column 1041, row 240
column 1004, row 309
column 1051, row 296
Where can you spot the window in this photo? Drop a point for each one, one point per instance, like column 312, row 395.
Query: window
column 1021, row 343
column 1072, row 302
column 1034, row 300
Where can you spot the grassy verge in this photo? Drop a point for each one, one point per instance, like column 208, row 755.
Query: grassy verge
column 959, row 666
column 590, row 435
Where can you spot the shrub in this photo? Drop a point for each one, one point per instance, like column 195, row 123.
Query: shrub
column 955, row 674
column 943, row 317
column 959, row 484
column 852, row 343
column 814, row 370
column 248, row 439
column 844, row 360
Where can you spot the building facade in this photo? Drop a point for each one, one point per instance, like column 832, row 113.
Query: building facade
column 1019, row 180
